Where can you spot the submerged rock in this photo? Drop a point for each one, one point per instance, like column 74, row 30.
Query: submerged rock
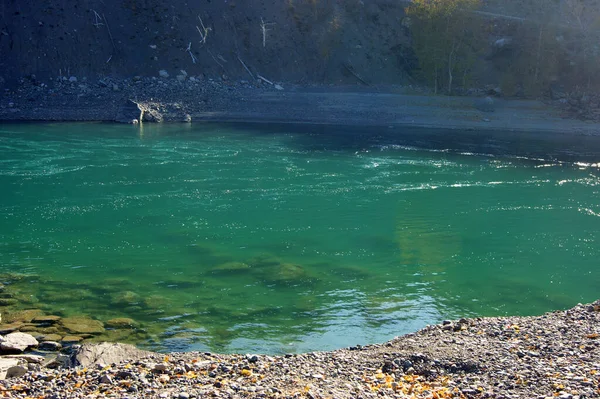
column 121, row 322
column 46, row 319
column 82, row 325
column 24, row 316
column 231, row 267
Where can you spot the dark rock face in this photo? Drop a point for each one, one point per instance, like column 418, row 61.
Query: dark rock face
column 302, row 41
column 129, row 112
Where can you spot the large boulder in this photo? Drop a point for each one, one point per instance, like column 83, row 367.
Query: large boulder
column 106, row 353
column 17, row 342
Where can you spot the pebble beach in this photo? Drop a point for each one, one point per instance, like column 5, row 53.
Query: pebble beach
column 555, row 355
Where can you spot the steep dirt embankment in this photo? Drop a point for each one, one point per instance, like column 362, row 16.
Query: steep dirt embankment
column 318, row 41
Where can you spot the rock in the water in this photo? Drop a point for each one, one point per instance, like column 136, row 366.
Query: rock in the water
column 121, row 322
column 24, row 316
column 71, row 339
column 8, row 301
column 82, row 325
column 5, row 365
column 47, row 319
column 163, row 74
column 17, row 342
column 51, row 346
column 151, row 115
column 106, row 353
column 8, row 328
column 129, row 112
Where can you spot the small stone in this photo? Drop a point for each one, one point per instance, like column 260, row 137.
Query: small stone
column 184, row 395
column 163, row 378
column 278, row 87
column 115, row 87
column 106, row 379
column 163, row 74
column 72, row 79
column 11, row 104
column 187, row 118
column 16, row 372
column 160, row 367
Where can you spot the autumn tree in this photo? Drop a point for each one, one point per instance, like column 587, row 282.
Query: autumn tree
column 447, row 37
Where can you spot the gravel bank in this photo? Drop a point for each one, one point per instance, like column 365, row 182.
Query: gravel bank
column 198, row 99
column 553, row 355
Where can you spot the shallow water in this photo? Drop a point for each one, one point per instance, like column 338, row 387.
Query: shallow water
column 228, row 239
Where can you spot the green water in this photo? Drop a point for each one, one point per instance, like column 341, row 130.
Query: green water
column 224, row 239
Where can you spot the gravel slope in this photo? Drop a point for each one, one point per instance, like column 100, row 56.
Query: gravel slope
column 553, row 355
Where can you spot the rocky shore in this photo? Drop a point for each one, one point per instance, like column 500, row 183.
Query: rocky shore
column 548, row 356
column 179, row 97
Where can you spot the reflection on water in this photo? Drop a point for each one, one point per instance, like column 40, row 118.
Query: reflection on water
column 222, row 239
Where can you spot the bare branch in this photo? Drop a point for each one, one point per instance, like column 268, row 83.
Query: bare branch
column 245, row 67
column 189, row 50
column 264, row 29
column 203, row 32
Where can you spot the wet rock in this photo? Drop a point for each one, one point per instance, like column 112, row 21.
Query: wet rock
column 163, row 73
column 71, row 339
column 8, row 328
column 125, row 298
column 8, row 301
column 17, row 342
column 106, row 353
column 51, row 346
column 82, row 325
column 231, row 267
column 24, row 316
column 46, row 319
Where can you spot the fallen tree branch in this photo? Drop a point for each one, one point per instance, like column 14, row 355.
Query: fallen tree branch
column 265, row 79
column 245, row 67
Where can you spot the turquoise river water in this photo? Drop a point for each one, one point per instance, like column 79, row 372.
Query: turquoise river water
column 234, row 239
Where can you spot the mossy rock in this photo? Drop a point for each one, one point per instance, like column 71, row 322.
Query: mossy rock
column 46, row 319
column 231, row 267
column 156, row 302
column 49, row 337
column 121, row 322
column 82, row 325
column 125, row 298
column 25, row 316
column 71, row 339
column 11, row 327
column 287, row 274
column 8, row 301
column 264, row 260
